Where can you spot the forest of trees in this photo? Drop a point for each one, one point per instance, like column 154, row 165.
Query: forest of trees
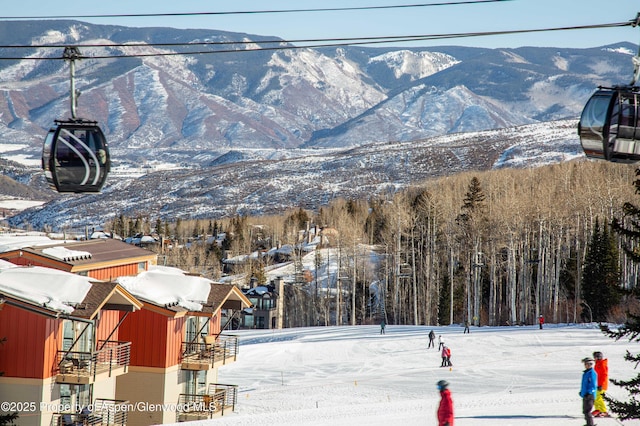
column 498, row 247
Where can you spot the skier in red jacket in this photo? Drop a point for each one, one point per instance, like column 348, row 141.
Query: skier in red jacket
column 445, row 409
column 602, row 370
column 541, row 321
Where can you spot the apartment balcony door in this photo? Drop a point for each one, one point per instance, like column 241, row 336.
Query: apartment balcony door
column 79, row 332
column 75, row 397
column 196, row 328
column 195, row 382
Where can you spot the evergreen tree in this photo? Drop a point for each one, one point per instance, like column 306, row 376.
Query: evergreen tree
column 629, row 409
column 473, row 202
column 600, row 277
column 629, row 231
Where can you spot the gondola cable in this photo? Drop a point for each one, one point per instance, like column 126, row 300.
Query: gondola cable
column 288, row 44
column 254, row 12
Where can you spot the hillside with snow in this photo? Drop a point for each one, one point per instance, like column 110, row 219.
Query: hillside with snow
column 258, row 131
column 501, row 376
column 305, row 178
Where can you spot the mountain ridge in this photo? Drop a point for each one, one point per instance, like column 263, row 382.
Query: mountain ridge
column 234, row 115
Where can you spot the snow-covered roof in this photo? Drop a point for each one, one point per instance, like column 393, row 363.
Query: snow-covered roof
column 167, row 286
column 16, row 242
column 145, row 239
column 51, row 288
column 66, row 254
column 259, row 291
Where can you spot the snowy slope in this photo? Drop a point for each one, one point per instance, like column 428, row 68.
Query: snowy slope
column 501, row 376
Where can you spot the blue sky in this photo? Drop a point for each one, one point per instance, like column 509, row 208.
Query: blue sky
column 500, row 16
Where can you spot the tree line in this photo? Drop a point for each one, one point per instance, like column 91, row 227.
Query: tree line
column 494, row 248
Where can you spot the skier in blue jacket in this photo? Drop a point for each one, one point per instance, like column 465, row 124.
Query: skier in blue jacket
column 588, row 389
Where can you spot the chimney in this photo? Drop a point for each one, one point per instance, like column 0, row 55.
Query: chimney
column 280, row 303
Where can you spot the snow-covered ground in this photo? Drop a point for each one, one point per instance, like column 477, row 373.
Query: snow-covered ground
column 501, row 376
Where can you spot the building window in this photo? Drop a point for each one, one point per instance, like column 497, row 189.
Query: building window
column 75, row 396
column 195, row 382
column 142, row 266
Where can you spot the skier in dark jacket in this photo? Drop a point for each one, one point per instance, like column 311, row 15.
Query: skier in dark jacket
column 432, row 338
column 445, row 409
column 588, row 389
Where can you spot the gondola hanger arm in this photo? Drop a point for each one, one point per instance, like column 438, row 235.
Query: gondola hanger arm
column 636, row 59
column 72, row 54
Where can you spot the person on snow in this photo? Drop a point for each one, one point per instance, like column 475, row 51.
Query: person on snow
column 466, row 327
column 432, row 337
column 382, row 325
column 602, row 370
column 445, row 409
column 440, row 342
column 588, row 389
column 443, row 354
column 446, row 357
column 541, row 321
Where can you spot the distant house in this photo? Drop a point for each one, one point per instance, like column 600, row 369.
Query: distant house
column 267, row 308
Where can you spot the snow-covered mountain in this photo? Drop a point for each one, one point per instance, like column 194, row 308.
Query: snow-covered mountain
column 257, row 131
column 175, row 107
column 306, row 178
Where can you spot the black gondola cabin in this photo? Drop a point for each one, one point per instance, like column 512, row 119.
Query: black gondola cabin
column 75, row 157
column 609, row 127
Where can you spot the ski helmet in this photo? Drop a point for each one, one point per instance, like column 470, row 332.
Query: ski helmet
column 597, row 355
column 442, row 384
column 587, row 359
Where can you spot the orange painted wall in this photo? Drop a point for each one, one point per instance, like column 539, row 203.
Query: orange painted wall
column 31, row 345
column 106, row 324
column 214, row 325
column 114, row 272
column 156, row 340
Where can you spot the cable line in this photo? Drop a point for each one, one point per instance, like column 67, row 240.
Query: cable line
column 289, row 44
column 252, row 12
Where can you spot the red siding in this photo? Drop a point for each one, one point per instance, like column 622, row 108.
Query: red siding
column 155, row 339
column 214, row 325
column 107, row 323
column 31, row 343
column 114, row 272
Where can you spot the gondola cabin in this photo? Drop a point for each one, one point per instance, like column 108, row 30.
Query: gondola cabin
column 75, row 157
column 609, row 127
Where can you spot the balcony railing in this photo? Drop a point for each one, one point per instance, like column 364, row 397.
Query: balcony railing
column 106, row 412
column 218, row 399
column 202, row 356
column 84, row 367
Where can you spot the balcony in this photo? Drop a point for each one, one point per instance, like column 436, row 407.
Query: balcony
column 218, row 400
column 107, row 412
column 81, row 368
column 214, row 352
